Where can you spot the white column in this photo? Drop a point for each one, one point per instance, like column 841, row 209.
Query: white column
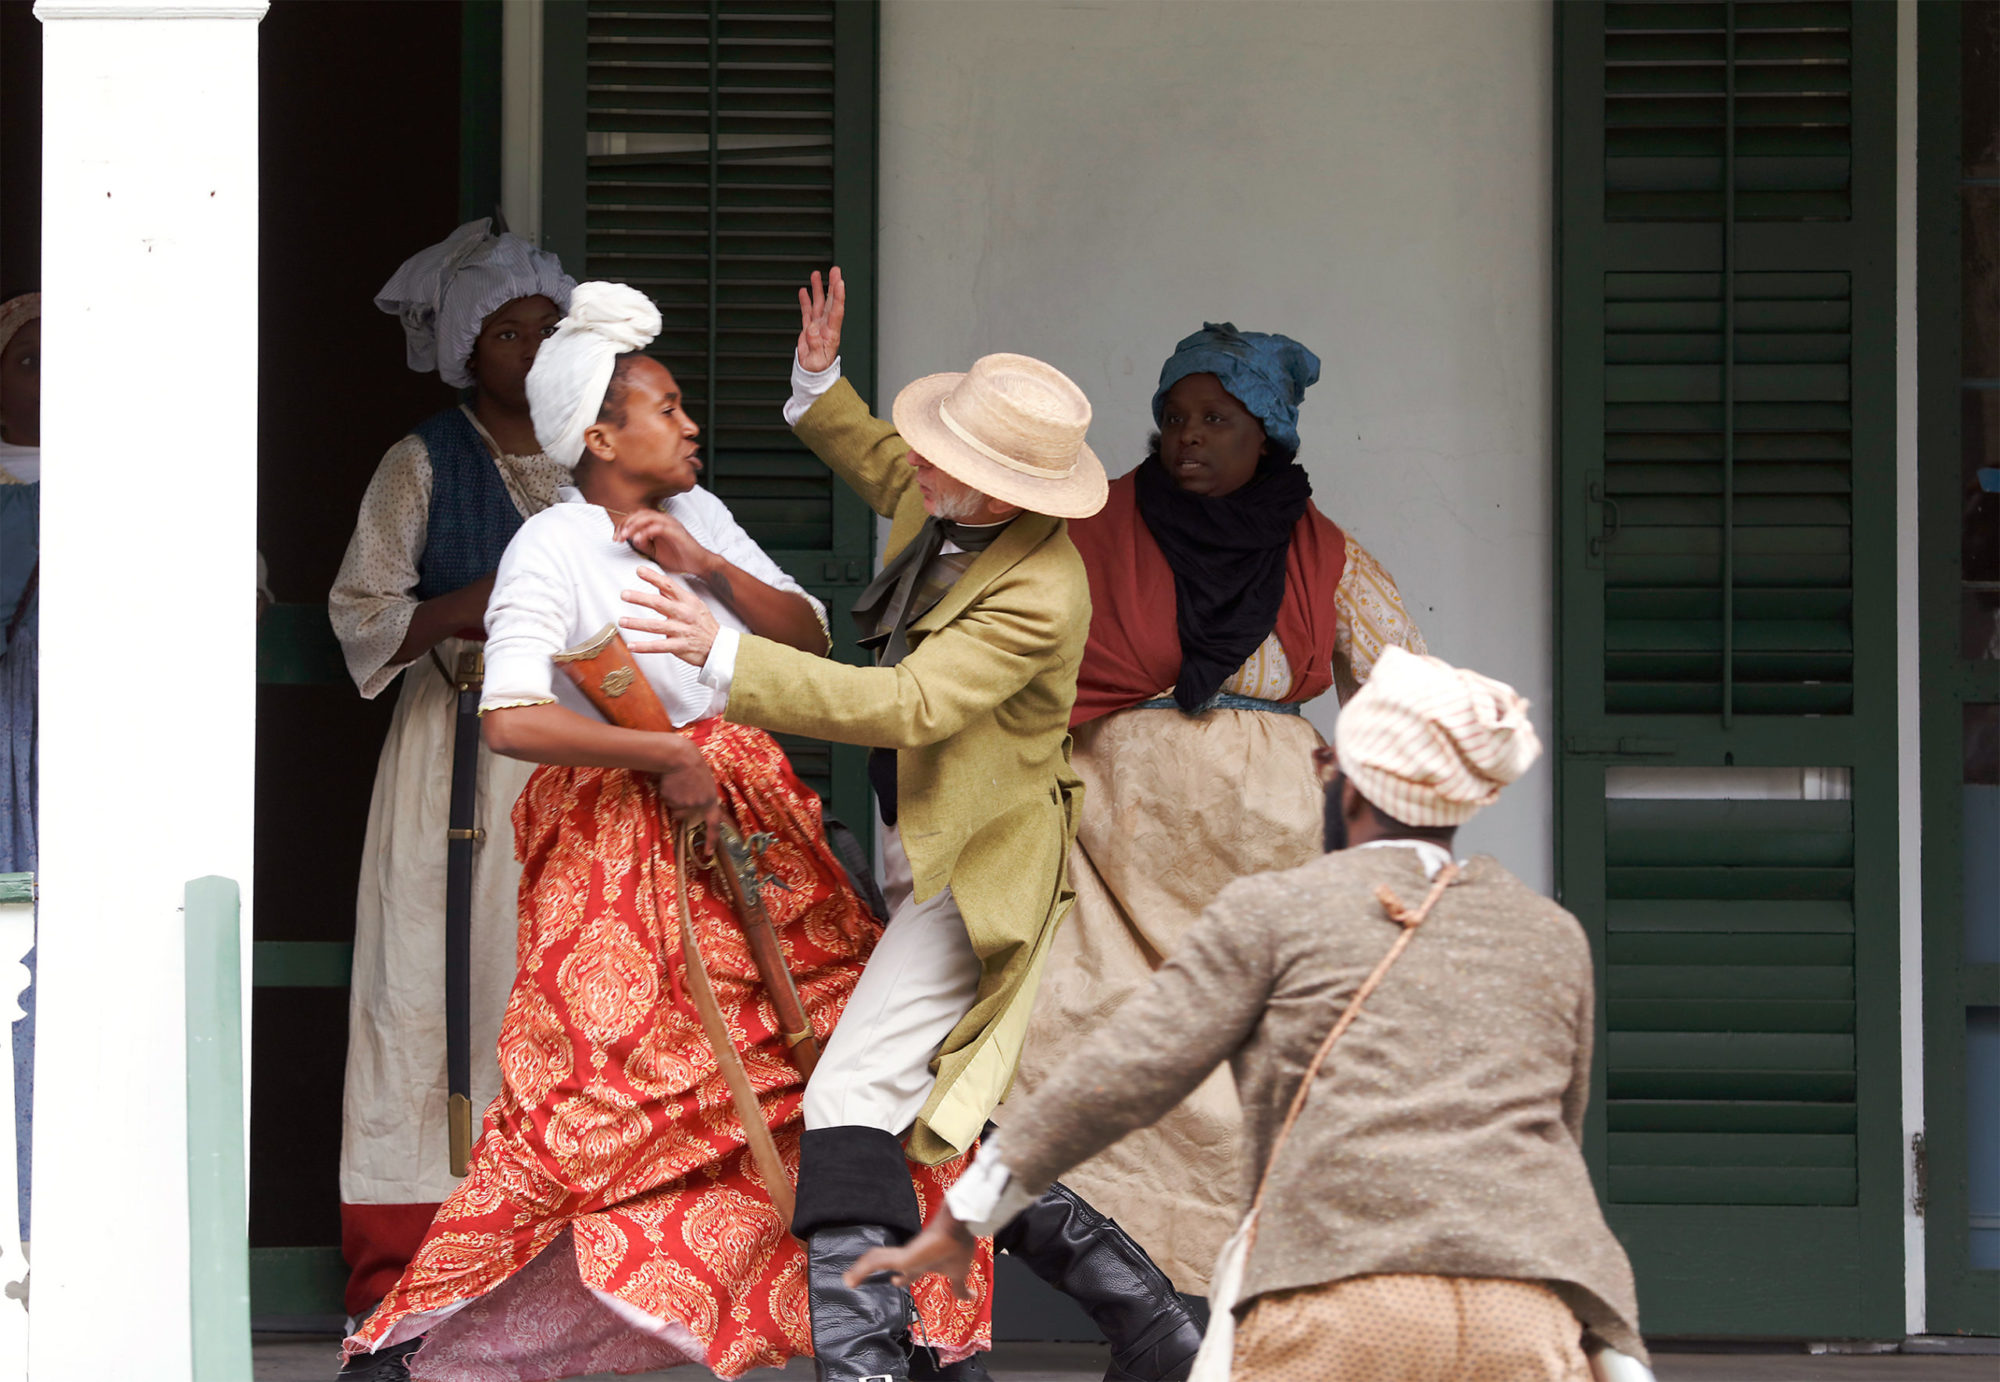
column 148, row 704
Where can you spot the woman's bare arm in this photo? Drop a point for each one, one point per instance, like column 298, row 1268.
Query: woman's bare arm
column 551, row 733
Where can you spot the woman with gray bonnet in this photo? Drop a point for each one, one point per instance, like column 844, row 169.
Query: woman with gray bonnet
column 411, row 596
column 1222, row 601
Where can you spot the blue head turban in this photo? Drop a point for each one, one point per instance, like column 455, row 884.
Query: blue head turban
column 1267, row 374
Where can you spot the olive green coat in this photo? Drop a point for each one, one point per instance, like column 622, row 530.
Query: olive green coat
column 979, row 716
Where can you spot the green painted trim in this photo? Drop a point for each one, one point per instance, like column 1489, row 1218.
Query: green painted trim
column 1959, row 1299
column 218, row 1182
column 856, row 201
column 17, row 887
column 1878, row 1042
column 296, row 647
column 479, row 93
column 1981, row 986
column 565, row 132
column 301, row 964
column 295, row 1282
column 1685, row 1253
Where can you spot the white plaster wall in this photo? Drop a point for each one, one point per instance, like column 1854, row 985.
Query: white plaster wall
column 1089, row 181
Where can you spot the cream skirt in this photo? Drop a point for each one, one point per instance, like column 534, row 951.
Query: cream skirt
column 1173, row 810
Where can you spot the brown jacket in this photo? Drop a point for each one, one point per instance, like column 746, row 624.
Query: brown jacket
column 1444, row 1134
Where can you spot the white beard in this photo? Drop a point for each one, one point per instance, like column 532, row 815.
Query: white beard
column 959, row 506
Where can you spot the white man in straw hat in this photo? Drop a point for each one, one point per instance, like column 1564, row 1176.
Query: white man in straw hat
column 1424, row 1211
column 977, row 623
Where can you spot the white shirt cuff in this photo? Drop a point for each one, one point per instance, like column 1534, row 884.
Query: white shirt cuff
column 987, row 1196
column 807, row 386
column 720, row 669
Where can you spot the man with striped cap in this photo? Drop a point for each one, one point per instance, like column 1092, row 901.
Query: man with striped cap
column 1424, row 1208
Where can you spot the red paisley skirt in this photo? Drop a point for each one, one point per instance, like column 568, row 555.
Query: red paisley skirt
column 614, row 1139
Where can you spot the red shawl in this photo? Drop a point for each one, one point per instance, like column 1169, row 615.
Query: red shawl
column 1134, row 652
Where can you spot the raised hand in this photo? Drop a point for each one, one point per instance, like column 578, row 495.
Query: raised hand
column 680, row 623
column 821, row 311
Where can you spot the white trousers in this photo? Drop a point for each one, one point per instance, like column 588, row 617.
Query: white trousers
column 875, row 1070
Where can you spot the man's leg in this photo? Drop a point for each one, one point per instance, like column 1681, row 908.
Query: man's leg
column 872, row 1080
column 854, row 1188
column 1087, row 1257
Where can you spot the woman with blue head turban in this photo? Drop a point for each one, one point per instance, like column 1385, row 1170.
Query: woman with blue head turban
column 1222, row 601
column 411, row 594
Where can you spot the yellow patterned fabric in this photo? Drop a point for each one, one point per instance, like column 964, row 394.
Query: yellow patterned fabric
column 1267, row 674
column 1408, row 1328
column 1372, row 618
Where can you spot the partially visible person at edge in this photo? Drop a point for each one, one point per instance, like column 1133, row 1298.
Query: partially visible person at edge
column 613, row 1219
column 1222, row 600
column 977, row 624
column 411, row 594
column 20, row 567
column 1430, row 1218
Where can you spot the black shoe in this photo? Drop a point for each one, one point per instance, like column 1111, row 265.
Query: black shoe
column 391, row 1364
column 860, row 1332
column 1091, row 1260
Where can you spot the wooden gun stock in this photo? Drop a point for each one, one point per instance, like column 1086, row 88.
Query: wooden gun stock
column 604, row 671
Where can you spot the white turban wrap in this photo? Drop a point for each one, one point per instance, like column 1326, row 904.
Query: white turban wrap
column 444, row 294
column 1429, row 743
column 573, row 368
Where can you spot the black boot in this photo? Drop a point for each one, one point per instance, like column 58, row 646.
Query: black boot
column 924, row 1367
column 1091, row 1260
column 860, row 1333
column 391, row 1364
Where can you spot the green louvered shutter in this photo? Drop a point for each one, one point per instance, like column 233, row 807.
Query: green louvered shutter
column 1726, row 479
column 729, row 151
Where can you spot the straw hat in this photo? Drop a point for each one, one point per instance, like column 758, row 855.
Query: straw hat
column 1011, row 427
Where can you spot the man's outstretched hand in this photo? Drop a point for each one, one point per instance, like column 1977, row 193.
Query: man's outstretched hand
column 945, row 1246
column 680, row 623
column 821, row 311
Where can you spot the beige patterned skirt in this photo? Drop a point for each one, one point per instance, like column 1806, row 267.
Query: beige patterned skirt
column 1404, row 1328
column 1174, row 809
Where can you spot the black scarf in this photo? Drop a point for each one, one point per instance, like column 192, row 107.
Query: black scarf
column 1228, row 559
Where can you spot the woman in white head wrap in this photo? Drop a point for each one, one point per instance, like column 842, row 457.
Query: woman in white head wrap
column 613, row 1188
column 411, row 593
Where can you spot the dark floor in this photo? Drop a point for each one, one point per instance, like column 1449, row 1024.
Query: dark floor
column 292, row 1358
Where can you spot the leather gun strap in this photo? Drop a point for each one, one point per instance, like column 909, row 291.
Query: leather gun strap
column 1409, row 921
column 756, row 1132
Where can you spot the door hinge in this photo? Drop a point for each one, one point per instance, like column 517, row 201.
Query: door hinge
column 1920, row 1175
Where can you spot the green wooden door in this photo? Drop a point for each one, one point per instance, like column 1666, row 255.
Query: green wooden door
column 713, row 153
column 1727, row 722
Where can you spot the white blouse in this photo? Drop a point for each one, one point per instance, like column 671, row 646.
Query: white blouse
column 559, row 586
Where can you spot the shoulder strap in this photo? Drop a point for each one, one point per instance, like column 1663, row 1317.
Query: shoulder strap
column 756, row 1132
column 1409, row 921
